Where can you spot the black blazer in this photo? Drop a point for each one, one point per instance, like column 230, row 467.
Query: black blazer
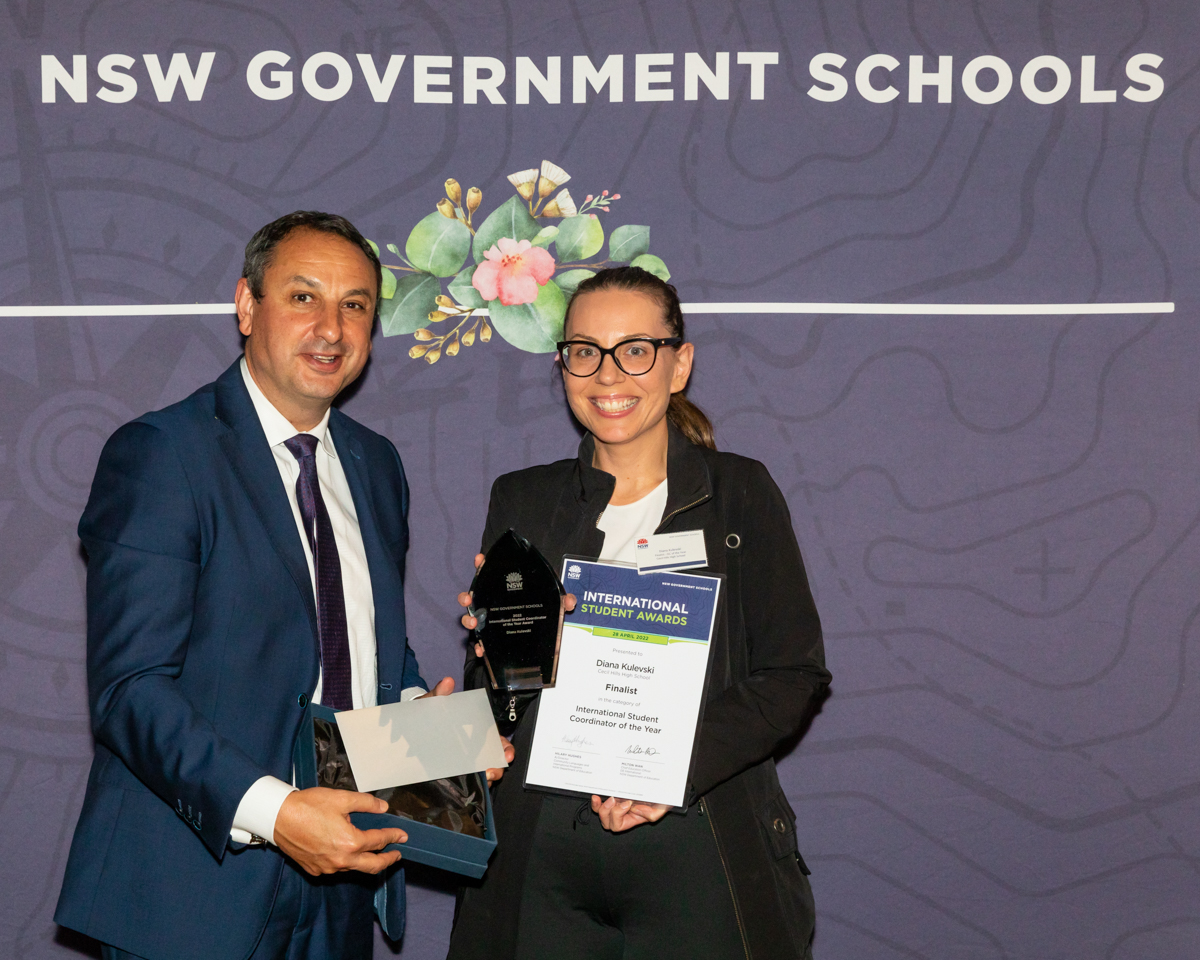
column 768, row 674
column 202, row 647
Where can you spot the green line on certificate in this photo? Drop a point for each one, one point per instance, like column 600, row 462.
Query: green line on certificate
column 639, row 637
column 630, row 635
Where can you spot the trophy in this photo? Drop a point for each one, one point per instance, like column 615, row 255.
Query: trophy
column 517, row 600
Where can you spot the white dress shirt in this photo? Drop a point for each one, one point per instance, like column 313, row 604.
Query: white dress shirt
column 260, row 805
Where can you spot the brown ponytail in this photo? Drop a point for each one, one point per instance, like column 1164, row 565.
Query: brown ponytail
column 691, row 421
column 688, row 418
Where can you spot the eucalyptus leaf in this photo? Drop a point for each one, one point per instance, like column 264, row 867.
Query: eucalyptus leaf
column 395, row 249
column 628, row 241
column 578, row 238
column 652, row 264
column 374, row 246
column 545, row 236
column 408, row 310
column 462, row 291
column 388, row 289
column 534, row 327
column 568, row 280
column 438, row 245
column 510, row 219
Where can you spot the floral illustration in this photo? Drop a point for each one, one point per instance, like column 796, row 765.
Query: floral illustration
column 512, row 272
column 523, row 270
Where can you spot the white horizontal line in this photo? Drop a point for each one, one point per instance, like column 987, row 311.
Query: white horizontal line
column 120, row 310
column 927, row 309
column 895, row 309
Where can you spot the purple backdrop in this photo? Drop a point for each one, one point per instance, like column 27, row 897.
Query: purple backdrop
column 998, row 513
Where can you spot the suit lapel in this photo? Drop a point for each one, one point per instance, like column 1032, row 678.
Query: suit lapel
column 245, row 445
column 385, row 577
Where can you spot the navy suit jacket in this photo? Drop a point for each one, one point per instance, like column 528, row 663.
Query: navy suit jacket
column 202, row 649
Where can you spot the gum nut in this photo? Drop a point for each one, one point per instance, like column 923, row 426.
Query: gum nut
column 453, row 191
column 446, row 208
column 417, row 351
column 474, row 199
column 433, row 355
column 468, row 338
column 443, row 301
column 485, row 332
column 436, row 316
column 423, row 334
column 452, row 349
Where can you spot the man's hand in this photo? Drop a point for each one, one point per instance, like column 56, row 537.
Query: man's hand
column 314, row 829
column 444, row 688
column 468, row 621
column 619, row 815
column 495, row 773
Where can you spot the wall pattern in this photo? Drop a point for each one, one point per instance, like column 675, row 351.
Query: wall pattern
column 999, row 513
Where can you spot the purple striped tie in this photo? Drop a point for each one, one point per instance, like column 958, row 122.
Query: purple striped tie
column 331, row 602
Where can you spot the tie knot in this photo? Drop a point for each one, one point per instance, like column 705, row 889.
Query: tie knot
column 302, row 445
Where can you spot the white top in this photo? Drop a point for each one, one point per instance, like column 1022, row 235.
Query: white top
column 260, row 805
column 622, row 525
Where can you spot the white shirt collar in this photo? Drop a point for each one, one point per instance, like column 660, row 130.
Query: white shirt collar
column 275, row 425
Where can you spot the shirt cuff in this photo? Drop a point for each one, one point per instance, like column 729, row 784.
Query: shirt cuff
column 411, row 693
column 260, row 805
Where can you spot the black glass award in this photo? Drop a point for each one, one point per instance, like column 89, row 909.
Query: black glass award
column 518, row 603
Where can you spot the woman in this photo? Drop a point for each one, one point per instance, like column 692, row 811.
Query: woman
column 617, row 879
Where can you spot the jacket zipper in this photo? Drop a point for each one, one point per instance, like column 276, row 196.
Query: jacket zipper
column 674, row 513
column 725, row 869
column 512, row 710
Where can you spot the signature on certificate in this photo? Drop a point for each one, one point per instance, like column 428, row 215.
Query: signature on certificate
column 637, row 748
column 577, row 740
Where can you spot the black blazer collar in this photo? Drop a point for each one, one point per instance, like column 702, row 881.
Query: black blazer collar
column 688, row 481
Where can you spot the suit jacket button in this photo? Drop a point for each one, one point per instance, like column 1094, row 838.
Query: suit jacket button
column 302, row 700
column 779, row 825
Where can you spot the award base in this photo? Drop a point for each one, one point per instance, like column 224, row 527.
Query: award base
column 521, row 678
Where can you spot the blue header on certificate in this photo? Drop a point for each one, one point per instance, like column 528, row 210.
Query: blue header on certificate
column 614, row 600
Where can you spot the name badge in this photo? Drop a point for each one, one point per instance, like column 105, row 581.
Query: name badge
column 671, row 551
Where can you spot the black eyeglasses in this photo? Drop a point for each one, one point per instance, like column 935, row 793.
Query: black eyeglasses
column 582, row 358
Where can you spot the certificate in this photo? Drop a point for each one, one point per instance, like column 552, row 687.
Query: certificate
column 621, row 720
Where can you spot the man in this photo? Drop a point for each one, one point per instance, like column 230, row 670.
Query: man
column 245, row 556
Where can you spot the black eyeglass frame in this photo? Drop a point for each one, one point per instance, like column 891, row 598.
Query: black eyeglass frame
column 656, row 342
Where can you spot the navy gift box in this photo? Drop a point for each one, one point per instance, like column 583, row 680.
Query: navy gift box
column 427, row 843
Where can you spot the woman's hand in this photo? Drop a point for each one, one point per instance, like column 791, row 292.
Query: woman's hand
column 464, row 600
column 468, row 621
column 618, row 815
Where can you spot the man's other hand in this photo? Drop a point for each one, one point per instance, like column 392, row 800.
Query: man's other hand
column 314, row 829
column 495, row 773
column 445, row 687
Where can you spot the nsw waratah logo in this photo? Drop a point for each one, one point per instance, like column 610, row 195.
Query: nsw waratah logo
column 642, row 543
column 513, row 581
column 574, row 571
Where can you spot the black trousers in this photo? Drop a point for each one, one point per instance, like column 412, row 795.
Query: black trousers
column 655, row 892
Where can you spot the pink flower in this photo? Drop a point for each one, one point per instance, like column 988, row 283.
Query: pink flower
column 513, row 270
